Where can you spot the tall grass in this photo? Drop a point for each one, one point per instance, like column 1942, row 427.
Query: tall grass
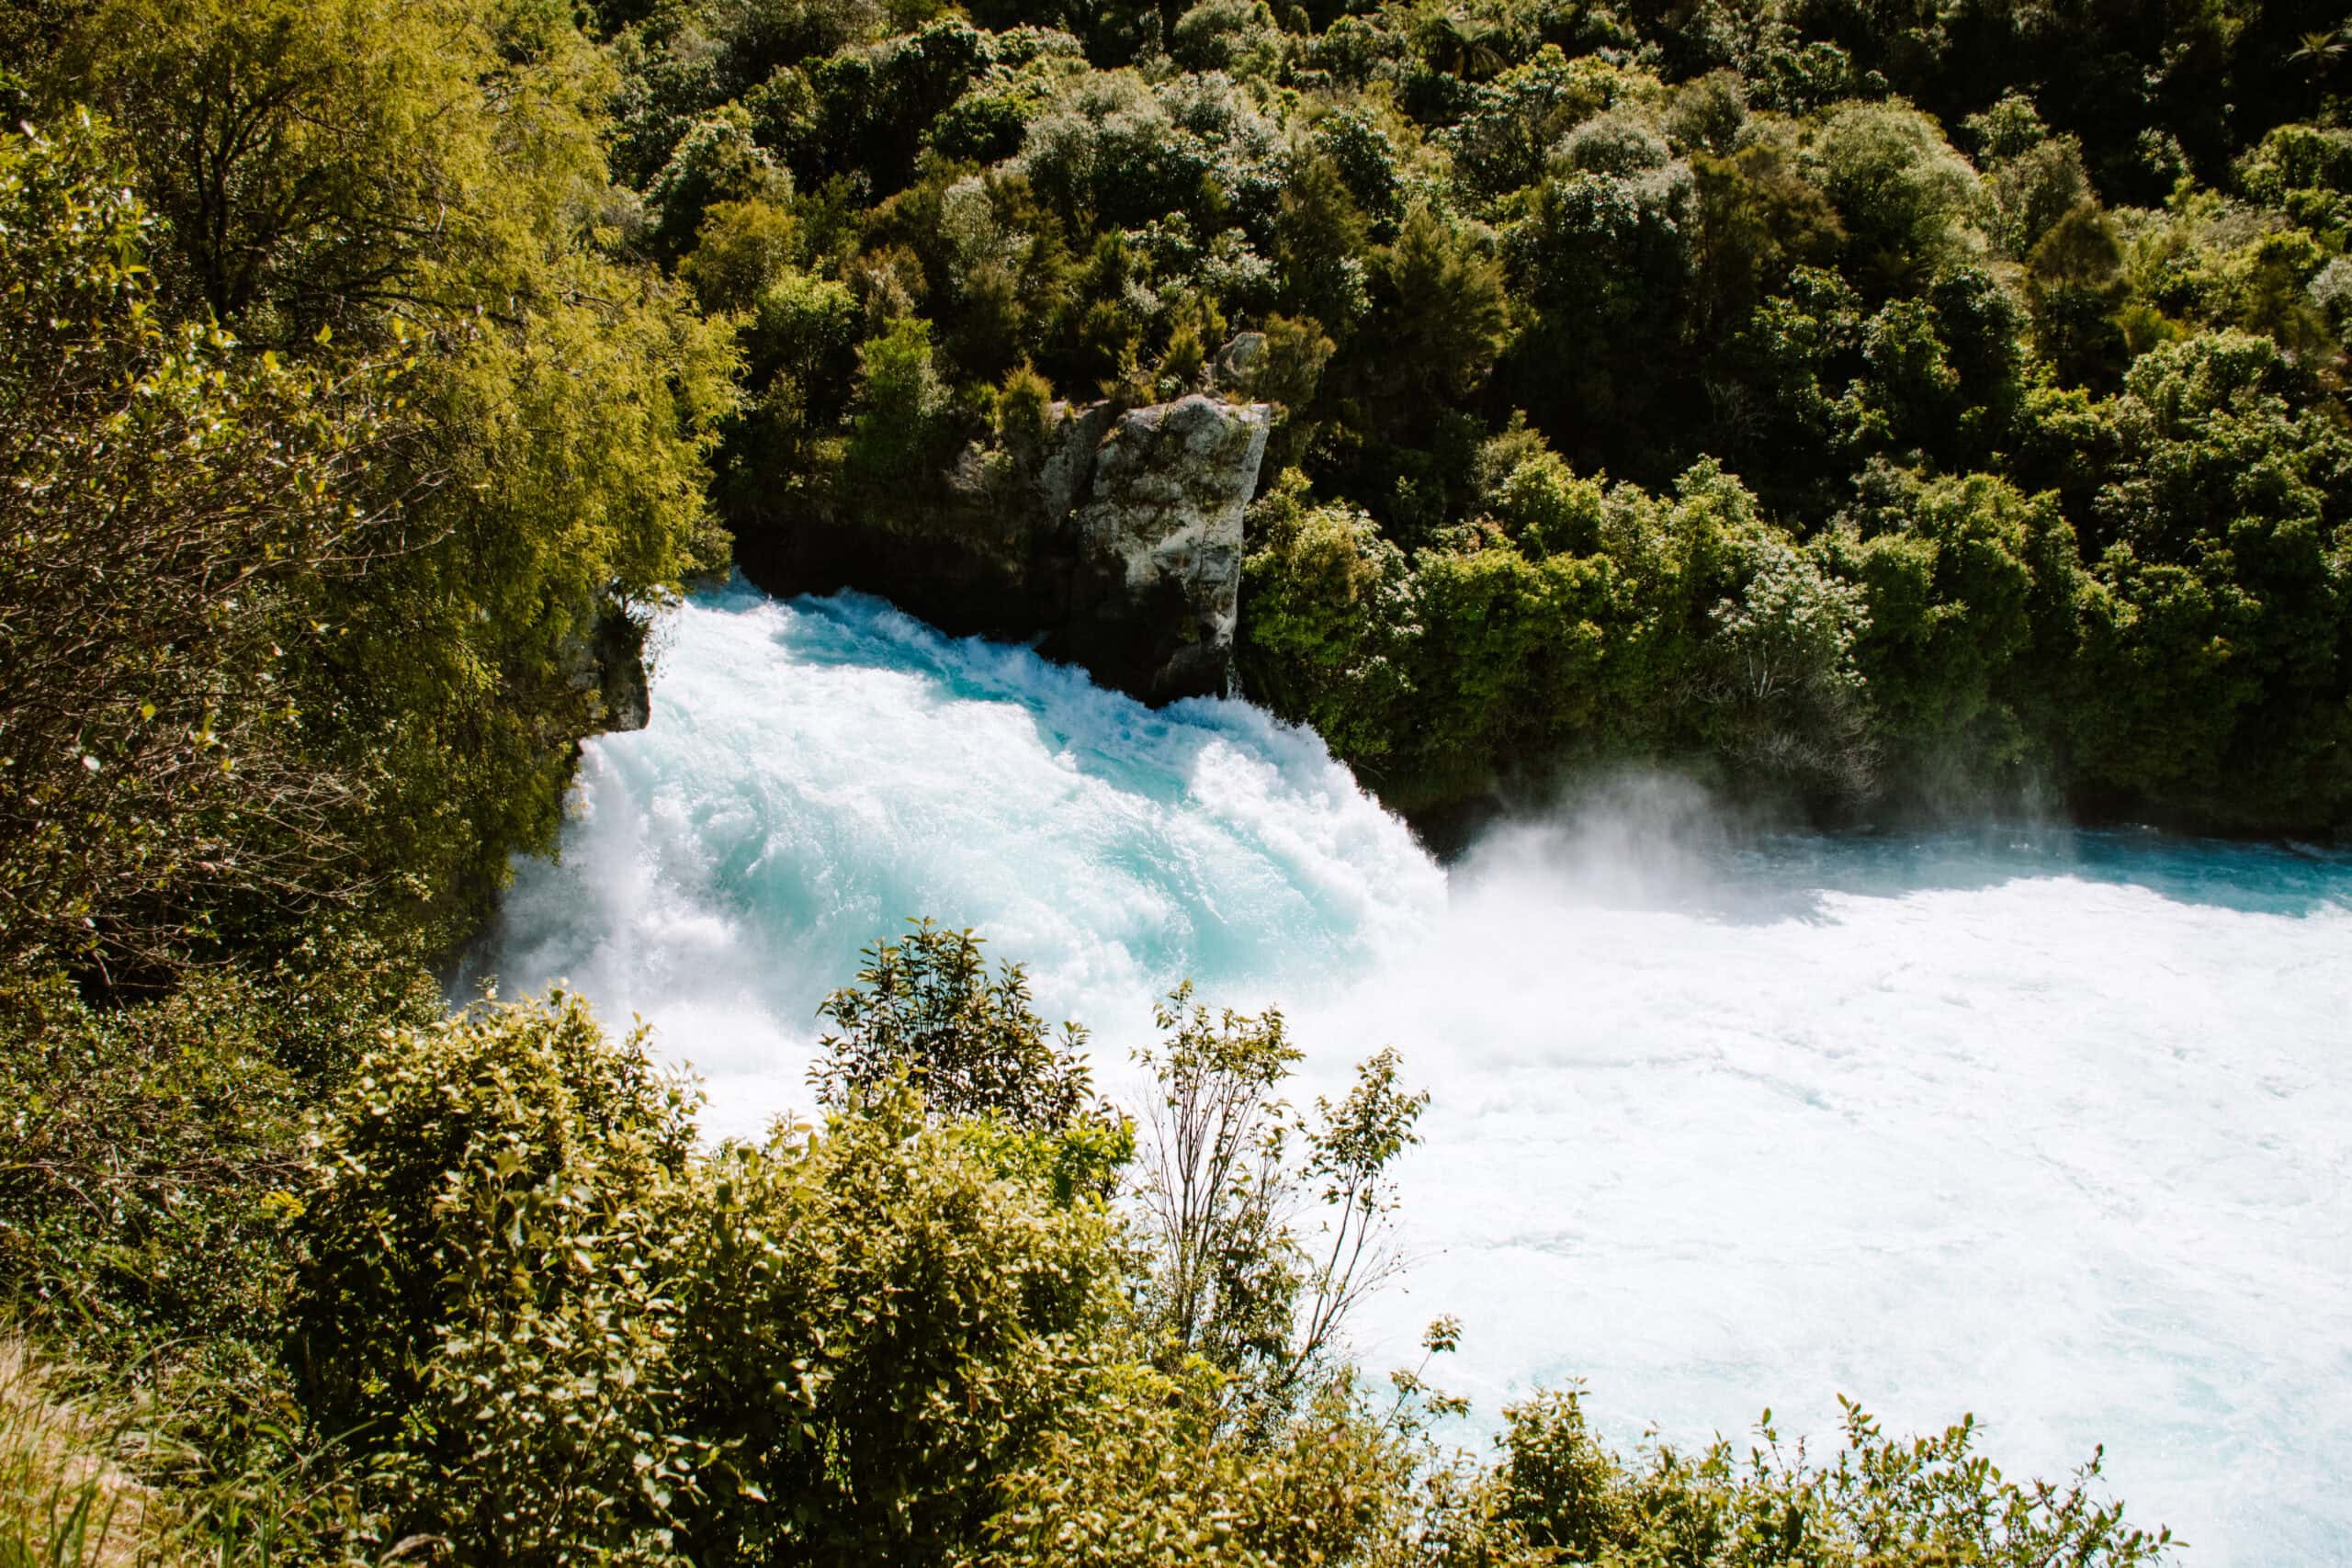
column 95, row 1480
column 65, row 1499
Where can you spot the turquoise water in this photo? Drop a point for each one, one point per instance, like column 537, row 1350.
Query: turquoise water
column 2046, row 1126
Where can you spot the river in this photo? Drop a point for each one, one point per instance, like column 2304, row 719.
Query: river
column 2050, row 1126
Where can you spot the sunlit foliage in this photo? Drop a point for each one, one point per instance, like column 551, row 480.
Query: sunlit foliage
column 472, row 1289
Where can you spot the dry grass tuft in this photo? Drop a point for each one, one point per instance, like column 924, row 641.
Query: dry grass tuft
column 65, row 1499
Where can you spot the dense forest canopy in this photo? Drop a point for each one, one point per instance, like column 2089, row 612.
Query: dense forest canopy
column 1855, row 400
column 1864, row 402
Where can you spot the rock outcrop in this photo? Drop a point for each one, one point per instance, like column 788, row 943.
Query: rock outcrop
column 1114, row 541
column 1239, row 362
column 1160, row 543
column 607, row 662
column 624, row 692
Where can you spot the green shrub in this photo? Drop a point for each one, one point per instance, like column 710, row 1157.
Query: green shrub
column 926, row 1011
column 878, row 1323
column 1143, row 1473
column 1926, row 1501
column 481, row 1307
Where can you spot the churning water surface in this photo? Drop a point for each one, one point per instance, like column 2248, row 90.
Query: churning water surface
column 2053, row 1127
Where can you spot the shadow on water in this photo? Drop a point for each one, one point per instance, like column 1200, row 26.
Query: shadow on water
column 1651, row 839
column 1717, row 870
column 2266, row 879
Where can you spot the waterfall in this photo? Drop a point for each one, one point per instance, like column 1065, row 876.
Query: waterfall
column 2041, row 1124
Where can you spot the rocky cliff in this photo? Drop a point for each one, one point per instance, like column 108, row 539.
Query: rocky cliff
column 605, row 662
column 1158, row 538
column 1114, row 541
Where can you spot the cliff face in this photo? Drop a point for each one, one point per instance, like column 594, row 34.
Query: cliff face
column 1116, row 543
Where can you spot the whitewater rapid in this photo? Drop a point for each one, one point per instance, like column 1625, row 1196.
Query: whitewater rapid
column 2051, row 1127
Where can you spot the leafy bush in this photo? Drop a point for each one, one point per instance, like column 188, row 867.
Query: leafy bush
column 925, row 1010
column 482, row 1301
column 880, row 1321
column 1928, row 1500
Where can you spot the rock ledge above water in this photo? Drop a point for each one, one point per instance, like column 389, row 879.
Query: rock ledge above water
column 1114, row 541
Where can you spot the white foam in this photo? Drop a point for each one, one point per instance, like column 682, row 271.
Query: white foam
column 2048, row 1127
